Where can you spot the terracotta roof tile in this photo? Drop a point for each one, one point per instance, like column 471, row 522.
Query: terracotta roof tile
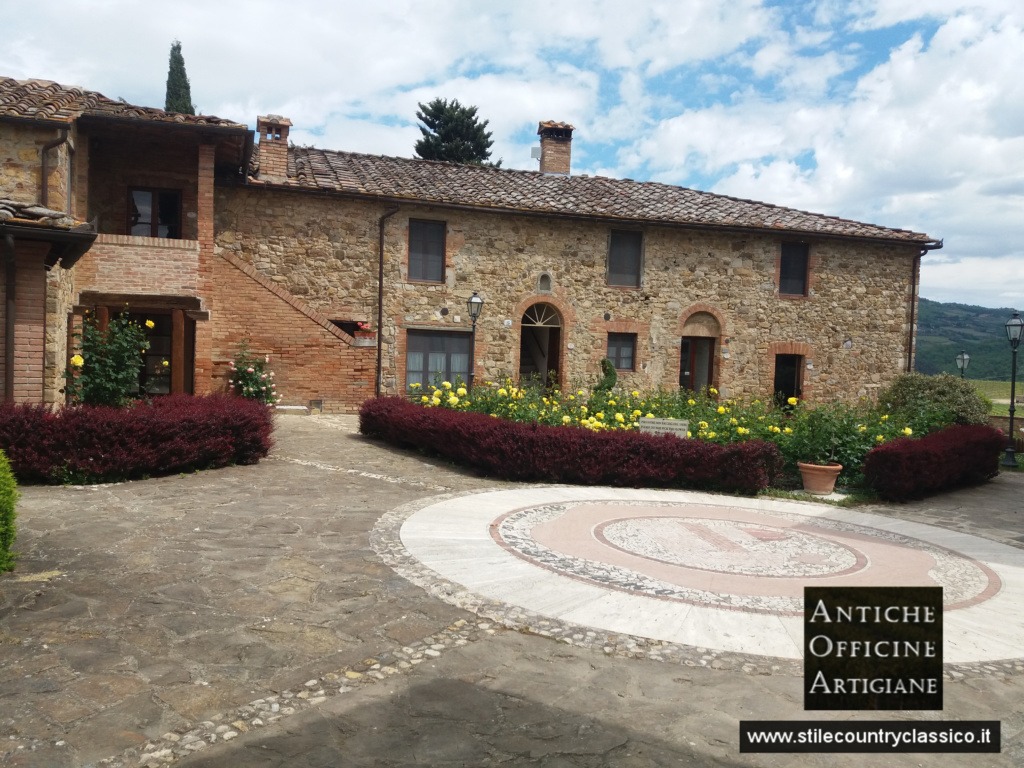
column 623, row 200
column 16, row 212
column 45, row 100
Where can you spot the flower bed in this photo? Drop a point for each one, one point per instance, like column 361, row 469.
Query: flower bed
column 828, row 432
column 532, row 452
column 90, row 444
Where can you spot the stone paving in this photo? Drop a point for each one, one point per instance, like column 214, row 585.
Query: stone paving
column 244, row 617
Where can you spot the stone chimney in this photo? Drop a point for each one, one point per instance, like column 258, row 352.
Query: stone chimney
column 555, row 147
column 273, row 131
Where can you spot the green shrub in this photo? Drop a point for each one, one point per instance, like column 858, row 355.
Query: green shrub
column 609, row 376
column 930, row 403
column 106, row 369
column 8, row 499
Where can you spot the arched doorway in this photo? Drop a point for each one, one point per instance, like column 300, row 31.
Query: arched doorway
column 540, row 345
column 697, row 351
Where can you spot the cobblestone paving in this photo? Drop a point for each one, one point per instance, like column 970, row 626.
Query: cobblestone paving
column 242, row 617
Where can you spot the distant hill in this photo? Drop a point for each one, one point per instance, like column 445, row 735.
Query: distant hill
column 943, row 330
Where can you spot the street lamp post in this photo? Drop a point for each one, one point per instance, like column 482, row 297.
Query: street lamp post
column 962, row 361
column 475, row 306
column 1013, row 330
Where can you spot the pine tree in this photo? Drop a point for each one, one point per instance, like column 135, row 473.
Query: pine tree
column 179, row 92
column 453, row 132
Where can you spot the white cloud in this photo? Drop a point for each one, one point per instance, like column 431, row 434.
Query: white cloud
column 899, row 112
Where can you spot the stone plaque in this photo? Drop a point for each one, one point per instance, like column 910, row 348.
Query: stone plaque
column 677, row 427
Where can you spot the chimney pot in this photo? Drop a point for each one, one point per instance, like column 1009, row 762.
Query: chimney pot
column 273, row 131
column 555, row 147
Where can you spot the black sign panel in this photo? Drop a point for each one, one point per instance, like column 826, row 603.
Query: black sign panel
column 872, row 648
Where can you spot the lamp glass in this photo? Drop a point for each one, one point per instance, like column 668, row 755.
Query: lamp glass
column 474, row 305
column 1013, row 329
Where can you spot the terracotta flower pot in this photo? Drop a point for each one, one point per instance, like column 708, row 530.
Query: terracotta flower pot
column 819, row 479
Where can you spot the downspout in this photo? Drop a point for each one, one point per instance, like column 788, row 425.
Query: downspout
column 380, row 299
column 915, row 276
column 44, row 195
column 9, row 317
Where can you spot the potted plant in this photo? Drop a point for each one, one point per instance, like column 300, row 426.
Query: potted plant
column 814, row 438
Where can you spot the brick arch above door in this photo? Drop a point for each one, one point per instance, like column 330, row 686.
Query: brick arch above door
column 698, row 308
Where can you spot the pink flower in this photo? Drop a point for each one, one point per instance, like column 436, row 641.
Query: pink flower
column 250, row 369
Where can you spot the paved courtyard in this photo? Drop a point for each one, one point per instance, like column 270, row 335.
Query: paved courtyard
column 345, row 604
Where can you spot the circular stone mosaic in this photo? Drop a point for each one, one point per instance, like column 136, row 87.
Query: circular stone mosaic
column 729, row 547
column 728, row 558
column 696, row 569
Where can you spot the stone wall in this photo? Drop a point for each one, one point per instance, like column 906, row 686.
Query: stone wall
column 852, row 329
column 59, row 294
column 21, row 165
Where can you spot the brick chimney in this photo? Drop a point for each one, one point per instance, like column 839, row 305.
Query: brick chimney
column 555, row 147
column 273, row 131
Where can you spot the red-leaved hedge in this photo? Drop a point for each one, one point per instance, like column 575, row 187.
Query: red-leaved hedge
column 950, row 458
column 537, row 453
column 92, row 444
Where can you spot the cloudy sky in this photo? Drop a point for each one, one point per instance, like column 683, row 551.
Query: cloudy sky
column 906, row 113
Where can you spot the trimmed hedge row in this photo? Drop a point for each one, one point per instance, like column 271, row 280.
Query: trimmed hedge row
column 950, row 458
column 8, row 500
column 537, row 453
column 92, row 444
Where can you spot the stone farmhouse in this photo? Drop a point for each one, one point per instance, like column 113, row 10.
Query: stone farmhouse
column 353, row 271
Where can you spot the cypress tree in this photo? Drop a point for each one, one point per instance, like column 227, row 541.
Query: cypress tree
column 179, row 92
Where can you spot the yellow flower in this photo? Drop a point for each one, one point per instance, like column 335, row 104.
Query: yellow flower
column 620, row 418
column 583, row 409
column 885, row 417
column 435, row 400
column 636, row 414
column 861, row 428
column 461, row 391
column 502, row 392
column 703, row 425
column 793, row 400
column 611, row 402
column 711, row 434
column 446, row 384
column 879, row 439
column 648, row 415
column 742, row 431
column 415, row 385
column 453, row 400
column 636, row 393
column 721, row 409
column 599, row 415
column 733, row 421
column 580, row 392
column 691, row 401
column 566, row 419
column 908, row 431
column 712, row 390
column 77, row 361
column 165, row 363
column 150, row 324
column 788, row 431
